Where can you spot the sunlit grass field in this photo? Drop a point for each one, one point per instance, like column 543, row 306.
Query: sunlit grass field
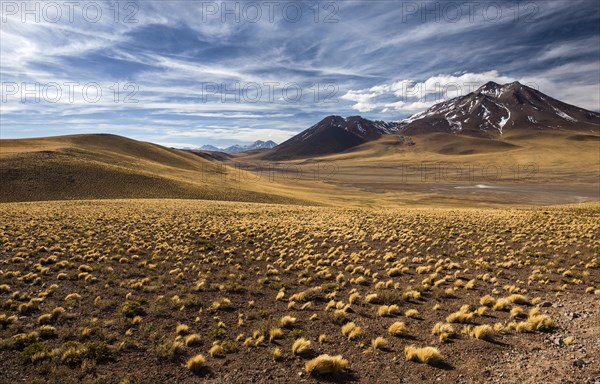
column 183, row 291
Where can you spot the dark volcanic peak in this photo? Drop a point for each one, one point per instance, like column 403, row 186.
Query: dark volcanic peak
column 331, row 135
column 492, row 108
column 363, row 128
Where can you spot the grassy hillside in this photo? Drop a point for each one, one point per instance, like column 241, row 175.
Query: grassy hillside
column 109, row 166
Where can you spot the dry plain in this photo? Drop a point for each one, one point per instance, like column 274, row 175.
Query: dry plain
column 132, row 291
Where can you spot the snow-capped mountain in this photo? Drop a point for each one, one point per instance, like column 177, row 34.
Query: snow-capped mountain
column 331, row 135
column 259, row 144
column 494, row 108
column 210, row 148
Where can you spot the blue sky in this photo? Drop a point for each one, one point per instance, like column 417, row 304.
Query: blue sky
column 212, row 72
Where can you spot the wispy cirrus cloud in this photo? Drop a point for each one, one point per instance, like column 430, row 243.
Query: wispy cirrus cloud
column 191, row 74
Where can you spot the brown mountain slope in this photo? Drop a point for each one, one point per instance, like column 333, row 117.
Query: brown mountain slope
column 108, row 166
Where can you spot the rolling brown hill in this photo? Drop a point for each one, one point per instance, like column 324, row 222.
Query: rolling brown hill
column 102, row 166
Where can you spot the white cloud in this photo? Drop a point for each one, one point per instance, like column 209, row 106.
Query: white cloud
column 414, row 95
column 362, row 100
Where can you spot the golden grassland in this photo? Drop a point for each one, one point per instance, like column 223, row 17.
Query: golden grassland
column 136, row 291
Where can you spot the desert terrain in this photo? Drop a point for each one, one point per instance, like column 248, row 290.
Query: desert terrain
column 159, row 290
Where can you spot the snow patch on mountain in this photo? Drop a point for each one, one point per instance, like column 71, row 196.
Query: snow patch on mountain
column 564, row 115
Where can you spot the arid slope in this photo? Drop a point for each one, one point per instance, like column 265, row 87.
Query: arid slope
column 108, row 166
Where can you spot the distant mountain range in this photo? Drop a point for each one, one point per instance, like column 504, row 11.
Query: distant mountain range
column 259, row 144
column 487, row 112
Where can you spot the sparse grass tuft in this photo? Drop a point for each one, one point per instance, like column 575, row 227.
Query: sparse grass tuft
column 411, row 313
column 326, row 365
column 301, row 347
column 426, row 355
column 287, row 321
column 193, row 340
column 443, row 331
column 398, row 329
column 379, row 343
column 351, row 331
column 196, row 364
column 482, row 332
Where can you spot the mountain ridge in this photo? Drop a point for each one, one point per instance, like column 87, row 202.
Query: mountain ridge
column 486, row 112
column 258, row 144
column 493, row 107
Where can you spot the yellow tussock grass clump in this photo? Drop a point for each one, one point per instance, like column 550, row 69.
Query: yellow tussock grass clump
column 388, row 310
column 411, row 313
column 426, row 355
column 397, row 329
column 196, row 363
column 216, row 350
column 460, row 317
column 326, row 365
column 182, row 329
column 443, row 331
column 287, row 321
column 275, row 333
column 301, row 346
column 193, row 340
column 379, row 343
column 487, row 301
column 276, row 354
column 540, row 323
column 518, row 299
column 502, row 304
column 351, row 331
column 482, row 332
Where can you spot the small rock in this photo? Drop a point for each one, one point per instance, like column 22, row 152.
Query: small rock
column 579, row 363
column 545, row 304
